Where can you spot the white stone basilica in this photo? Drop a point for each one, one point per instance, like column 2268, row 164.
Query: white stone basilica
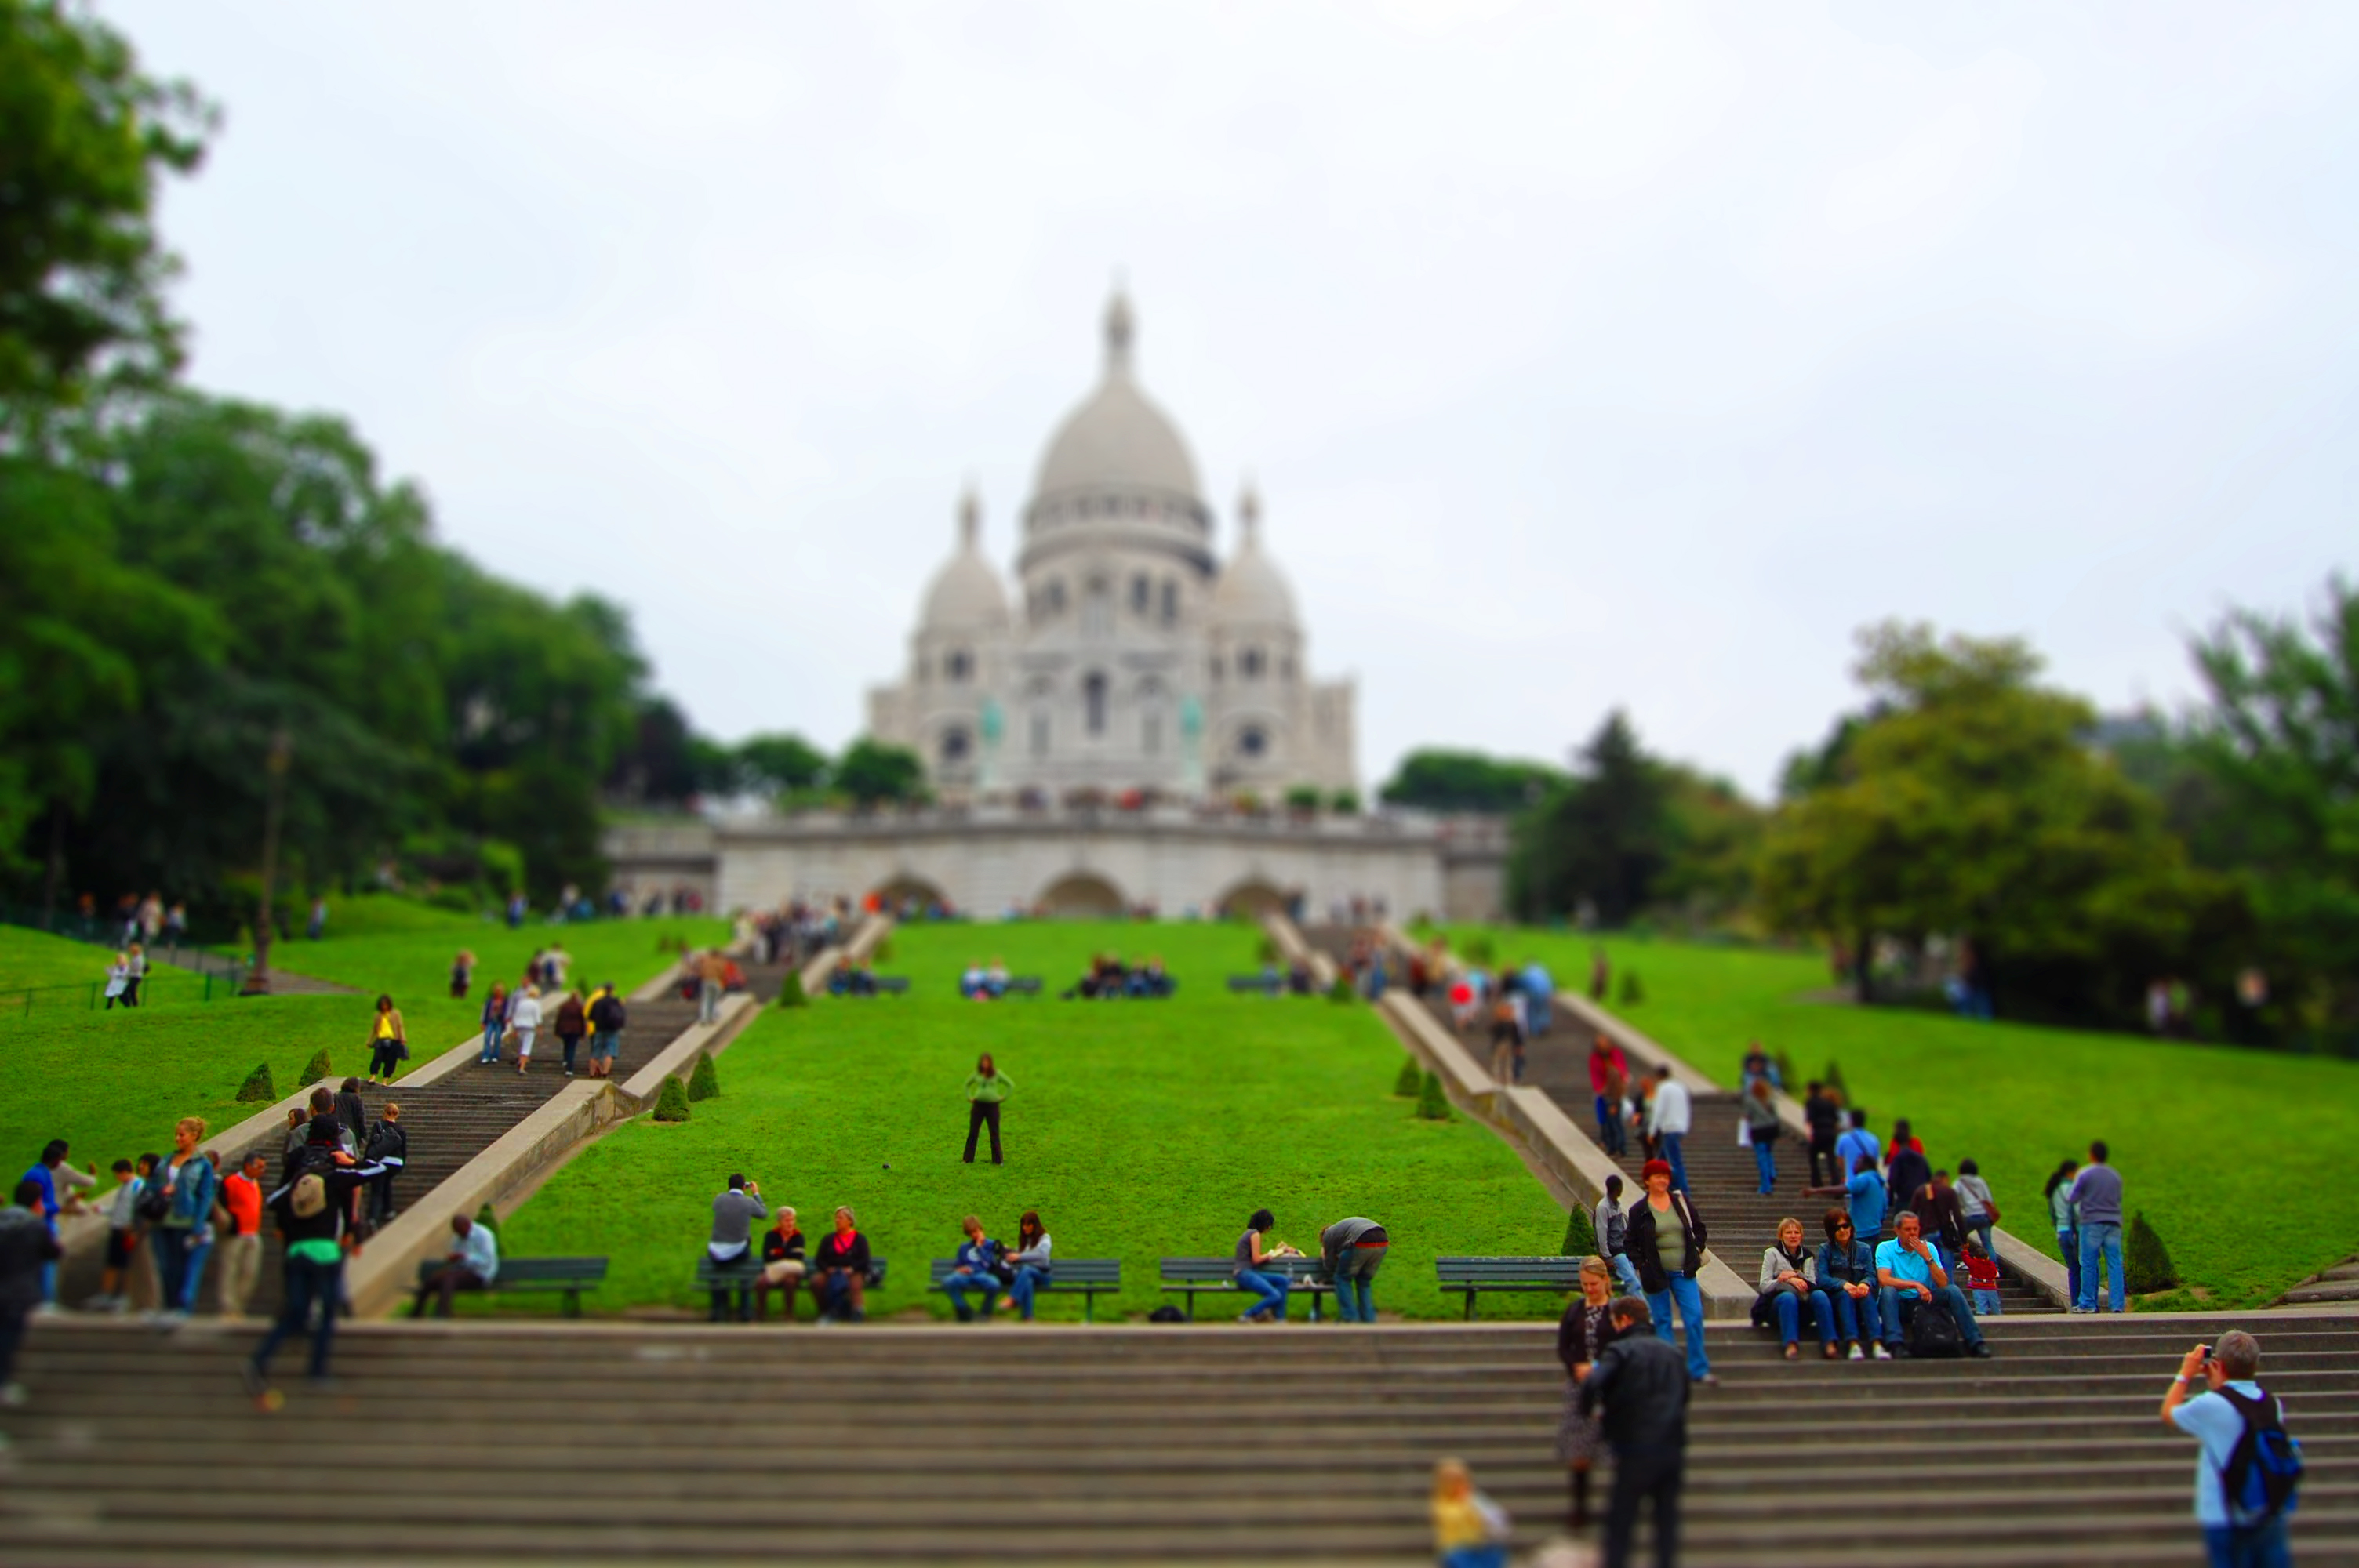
column 1133, row 657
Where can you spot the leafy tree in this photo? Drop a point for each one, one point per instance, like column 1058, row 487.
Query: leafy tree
column 1969, row 805
column 776, row 763
column 1466, row 781
column 85, row 141
column 2274, row 792
column 871, row 771
column 1603, row 838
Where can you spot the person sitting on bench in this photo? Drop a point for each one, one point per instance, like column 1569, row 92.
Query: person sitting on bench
column 473, row 1263
column 783, row 1266
column 840, row 1271
column 975, row 1267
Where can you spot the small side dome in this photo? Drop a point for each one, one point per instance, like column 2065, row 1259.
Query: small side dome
column 966, row 595
column 1251, row 592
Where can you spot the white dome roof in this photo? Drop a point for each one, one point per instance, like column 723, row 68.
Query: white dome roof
column 1117, row 438
column 1251, row 592
column 966, row 595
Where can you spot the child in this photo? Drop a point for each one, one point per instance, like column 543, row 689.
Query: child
column 1470, row 1531
column 122, row 1235
column 1981, row 1280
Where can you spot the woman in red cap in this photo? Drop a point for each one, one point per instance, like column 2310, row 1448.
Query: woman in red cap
column 1664, row 1239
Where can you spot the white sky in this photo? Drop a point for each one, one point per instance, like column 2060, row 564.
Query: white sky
column 1584, row 354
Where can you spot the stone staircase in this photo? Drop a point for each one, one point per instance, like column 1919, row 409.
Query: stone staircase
column 544, row 1443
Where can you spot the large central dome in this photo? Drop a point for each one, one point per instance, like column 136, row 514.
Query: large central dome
column 1117, row 439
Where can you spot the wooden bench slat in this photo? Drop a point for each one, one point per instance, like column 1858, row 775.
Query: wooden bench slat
column 1090, row 1277
column 1474, row 1276
column 568, row 1277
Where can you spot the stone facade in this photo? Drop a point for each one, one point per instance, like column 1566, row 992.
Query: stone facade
column 1131, row 656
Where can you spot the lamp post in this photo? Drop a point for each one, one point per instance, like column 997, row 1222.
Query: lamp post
column 282, row 753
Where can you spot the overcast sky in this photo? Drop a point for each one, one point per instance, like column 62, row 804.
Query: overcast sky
column 1584, row 354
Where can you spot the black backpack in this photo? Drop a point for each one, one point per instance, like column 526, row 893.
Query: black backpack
column 2264, row 1467
column 1933, row 1334
column 387, row 1142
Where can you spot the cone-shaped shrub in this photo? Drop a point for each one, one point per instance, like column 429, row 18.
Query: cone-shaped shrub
column 672, row 1104
column 792, row 994
column 257, row 1084
column 1412, row 1079
column 1634, row 990
column 1580, row 1235
column 1786, row 1072
column 2145, row 1258
column 704, row 1081
column 1432, row 1104
column 487, row 1219
column 319, row 1068
column 1342, row 990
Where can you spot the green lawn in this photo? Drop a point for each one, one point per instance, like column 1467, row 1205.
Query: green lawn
column 2236, row 1157
column 113, row 1083
column 1136, row 1129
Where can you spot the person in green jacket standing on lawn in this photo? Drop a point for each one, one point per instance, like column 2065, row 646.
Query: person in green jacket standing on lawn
column 984, row 1091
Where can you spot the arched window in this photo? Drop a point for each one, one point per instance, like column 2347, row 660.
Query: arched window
column 1093, row 702
column 1249, row 664
column 956, row 744
column 1056, row 596
column 1140, row 590
column 1252, row 742
column 1171, row 601
column 959, row 664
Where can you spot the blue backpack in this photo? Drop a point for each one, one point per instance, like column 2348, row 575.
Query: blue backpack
column 2264, row 1469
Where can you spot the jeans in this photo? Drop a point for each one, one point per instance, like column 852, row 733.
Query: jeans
column 1824, row 1149
column 2258, row 1546
column 571, row 1042
column 2068, row 1242
column 1789, row 1315
column 958, row 1282
column 1839, row 1309
column 309, row 1285
column 980, row 1114
column 172, row 1281
column 1671, row 1142
column 1981, row 1229
column 1682, row 1289
column 384, row 1059
column 1640, row 1476
column 1028, row 1280
column 442, row 1284
column 491, row 1051
column 1270, row 1288
column 1896, row 1307
column 1987, row 1305
column 1475, row 1557
column 381, row 1196
column 1353, row 1301
column 1627, row 1272
column 1765, row 1162
column 708, row 1001
column 192, row 1275
column 2100, row 1243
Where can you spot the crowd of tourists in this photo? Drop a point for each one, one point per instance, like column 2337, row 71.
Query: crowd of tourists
column 1109, row 979
column 513, row 1020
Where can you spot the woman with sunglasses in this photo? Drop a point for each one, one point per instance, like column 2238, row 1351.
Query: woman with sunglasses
column 1846, row 1285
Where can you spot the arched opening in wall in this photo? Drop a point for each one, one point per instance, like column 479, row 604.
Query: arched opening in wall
column 1249, row 664
column 1081, row 895
column 955, row 746
column 1171, row 601
column 1139, row 589
column 905, row 890
column 959, row 664
column 1251, row 901
column 1093, row 702
column 1252, row 742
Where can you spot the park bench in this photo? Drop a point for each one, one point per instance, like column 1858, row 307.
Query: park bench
column 841, row 983
column 1194, row 1276
column 568, row 1277
column 1474, row 1276
column 1267, row 984
column 1091, row 1277
column 739, row 1275
column 1023, row 985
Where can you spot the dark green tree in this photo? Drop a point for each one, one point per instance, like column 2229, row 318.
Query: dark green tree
column 671, row 1102
column 704, row 1079
column 873, row 772
column 1433, row 1103
column 258, row 1087
column 1579, row 1233
column 777, row 764
column 1412, row 1079
column 1603, row 838
column 1436, row 780
column 2144, row 1260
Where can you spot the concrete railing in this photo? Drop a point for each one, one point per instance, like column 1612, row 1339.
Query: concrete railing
column 1294, row 950
column 873, row 930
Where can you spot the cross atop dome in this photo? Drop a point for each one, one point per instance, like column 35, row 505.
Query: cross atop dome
column 1119, row 325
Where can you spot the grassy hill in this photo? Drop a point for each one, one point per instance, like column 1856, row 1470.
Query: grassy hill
column 113, row 1083
column 1137, row 1129
column 2236, row 1156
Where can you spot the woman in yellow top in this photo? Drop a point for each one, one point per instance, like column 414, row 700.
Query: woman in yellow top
column 387, row 1044
column 1470, row 1531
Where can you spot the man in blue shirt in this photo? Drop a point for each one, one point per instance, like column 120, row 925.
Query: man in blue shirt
column 2217, row 1426
column 1907, row 1275
column 1864, row 1198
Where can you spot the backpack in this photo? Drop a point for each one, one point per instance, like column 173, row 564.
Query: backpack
column 2264, row 1467
column 387, row 1142
column 1933, row 1334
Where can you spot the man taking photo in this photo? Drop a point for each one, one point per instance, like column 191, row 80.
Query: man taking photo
column 2245, row 1466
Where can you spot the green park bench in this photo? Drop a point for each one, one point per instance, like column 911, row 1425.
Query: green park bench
column 739, row 1275
column 1267, row 984
column 1091, row 1277
column 1195, row 1276
column 568, row 1277
column 1472, row 1276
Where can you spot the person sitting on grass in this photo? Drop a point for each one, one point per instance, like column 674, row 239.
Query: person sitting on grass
column 1030, row 1260
column 840, row 1271
column 783, row 1265
column 1151, row 979
column 994, row 977
column 1789, row 1286
column 973, row 1267
column 1269, row 1285
column 1847, row 1285
column 972, row 986
column 1909, row 1277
